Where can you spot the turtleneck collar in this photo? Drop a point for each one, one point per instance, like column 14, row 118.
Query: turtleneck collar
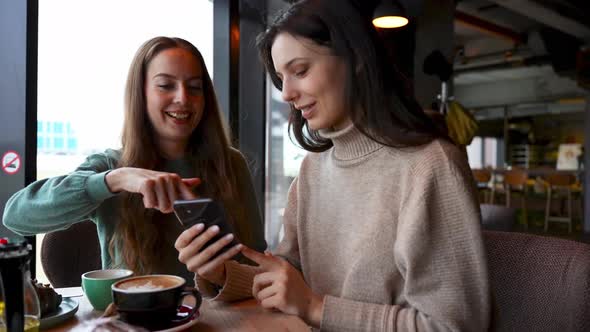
column 350, row 143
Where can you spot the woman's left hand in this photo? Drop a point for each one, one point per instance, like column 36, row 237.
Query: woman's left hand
column 280, row 286
column 201, row 260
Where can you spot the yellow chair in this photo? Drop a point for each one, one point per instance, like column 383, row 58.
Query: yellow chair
column 559, row 184
column 482, row 178
column 515, row 181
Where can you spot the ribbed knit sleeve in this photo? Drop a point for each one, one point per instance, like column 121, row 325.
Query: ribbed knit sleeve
column 439, row 252
column 238, row 283
column 56, row 203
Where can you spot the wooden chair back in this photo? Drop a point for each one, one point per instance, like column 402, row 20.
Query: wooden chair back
column 482, row 175
column 516, row 177
column 560, row 180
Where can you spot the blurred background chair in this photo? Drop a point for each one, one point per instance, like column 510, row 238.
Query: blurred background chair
column 538, row 283
column 559, row 186
column 497, row 217
column 485, row 189
column 515, row 181
column 68, row 253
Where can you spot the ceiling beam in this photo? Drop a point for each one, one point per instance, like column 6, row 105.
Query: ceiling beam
column 488, row 27
column 547, row 16
column 483, row 90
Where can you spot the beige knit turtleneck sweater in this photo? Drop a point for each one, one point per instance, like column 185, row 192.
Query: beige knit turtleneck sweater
column 390, row 236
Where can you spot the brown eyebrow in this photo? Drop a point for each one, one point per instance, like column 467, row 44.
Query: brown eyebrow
column 174, row 77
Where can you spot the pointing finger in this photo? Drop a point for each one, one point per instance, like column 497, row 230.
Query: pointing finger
column 262, row 281
column 185, row 191
column 266, row 262
column 192, row 182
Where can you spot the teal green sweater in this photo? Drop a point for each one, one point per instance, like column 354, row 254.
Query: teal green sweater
column 57, row 203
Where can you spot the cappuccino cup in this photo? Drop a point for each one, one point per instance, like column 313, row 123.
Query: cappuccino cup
column 153, row 301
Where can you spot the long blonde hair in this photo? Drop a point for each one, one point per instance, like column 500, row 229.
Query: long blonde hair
column 136, row 234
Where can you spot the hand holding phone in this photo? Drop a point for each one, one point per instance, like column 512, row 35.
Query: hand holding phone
column 207, row 212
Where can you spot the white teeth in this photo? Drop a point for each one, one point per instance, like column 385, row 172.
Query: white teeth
column 307, row 108
column 179, row 115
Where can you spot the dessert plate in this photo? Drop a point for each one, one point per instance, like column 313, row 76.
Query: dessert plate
column 65, row 311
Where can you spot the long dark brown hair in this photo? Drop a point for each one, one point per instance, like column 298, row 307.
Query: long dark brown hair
column 379, row 103
column 136, row 235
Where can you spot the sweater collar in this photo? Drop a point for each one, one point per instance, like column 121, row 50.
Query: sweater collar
column 350, row 143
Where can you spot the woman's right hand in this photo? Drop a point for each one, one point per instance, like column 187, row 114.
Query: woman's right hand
column 198, row 259
column 159, row 189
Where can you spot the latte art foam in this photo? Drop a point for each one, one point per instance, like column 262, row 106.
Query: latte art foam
column 149, row 286
column 146, row 284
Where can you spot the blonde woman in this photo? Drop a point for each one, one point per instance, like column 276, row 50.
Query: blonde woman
column 174, row 146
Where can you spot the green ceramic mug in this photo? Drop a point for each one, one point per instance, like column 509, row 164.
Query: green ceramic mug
column 97, row 285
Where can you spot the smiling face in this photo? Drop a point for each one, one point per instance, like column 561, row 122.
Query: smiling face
column 174, row 98
column 313, row 80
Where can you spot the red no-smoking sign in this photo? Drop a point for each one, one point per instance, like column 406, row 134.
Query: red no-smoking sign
column 11, row 162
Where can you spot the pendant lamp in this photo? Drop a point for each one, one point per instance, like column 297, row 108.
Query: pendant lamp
column 389, row 14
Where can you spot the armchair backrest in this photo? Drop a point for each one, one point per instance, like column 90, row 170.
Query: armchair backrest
column 538, row 283
column 68, row 253
column 497, row 217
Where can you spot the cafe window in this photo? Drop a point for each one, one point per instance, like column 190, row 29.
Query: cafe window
column 283, row 160
column 85, row 49
column 490, row 152
column 485, row 152
column 57, row 127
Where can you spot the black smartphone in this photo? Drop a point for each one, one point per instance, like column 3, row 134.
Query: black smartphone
column 207, row 212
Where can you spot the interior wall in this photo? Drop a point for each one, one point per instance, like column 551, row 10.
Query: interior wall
column 435, row 31
column 586, row 226
column 18, row 100
column 18, row 97
column 491, row 128
column 561, row 128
